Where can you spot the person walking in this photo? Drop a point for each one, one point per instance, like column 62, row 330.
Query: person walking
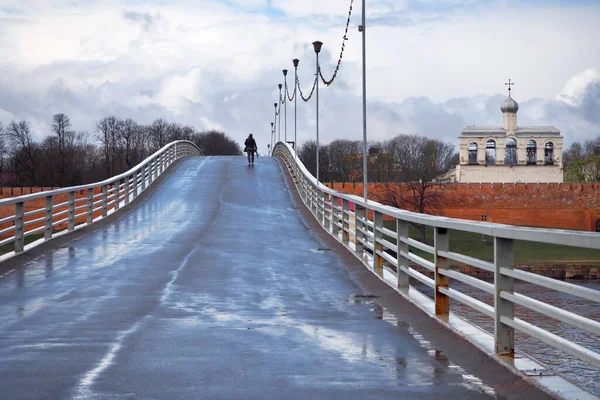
column 251, row 148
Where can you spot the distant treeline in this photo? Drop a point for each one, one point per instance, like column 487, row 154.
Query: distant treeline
column 403, row 158
column 67, row 157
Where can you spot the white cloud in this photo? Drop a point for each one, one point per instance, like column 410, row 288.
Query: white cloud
column 433, row 67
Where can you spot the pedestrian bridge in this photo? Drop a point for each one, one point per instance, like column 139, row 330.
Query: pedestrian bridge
column 203, row 277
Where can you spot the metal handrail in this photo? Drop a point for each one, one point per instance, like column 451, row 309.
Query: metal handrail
column 369, row 234
column 115, row 192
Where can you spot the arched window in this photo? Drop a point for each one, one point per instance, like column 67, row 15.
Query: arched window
column 490, row 152
column 473, row 153
column 510, row 157
column 531, row 152
column 549, row 153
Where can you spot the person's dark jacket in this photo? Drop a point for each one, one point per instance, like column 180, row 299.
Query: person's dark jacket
column 250, row 145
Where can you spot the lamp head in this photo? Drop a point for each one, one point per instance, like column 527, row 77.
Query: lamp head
column 317, row 45
column 285, row 71
column 295, row 61
column 275, row 104
column 280, row 86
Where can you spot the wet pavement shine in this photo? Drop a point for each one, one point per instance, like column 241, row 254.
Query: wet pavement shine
column 217, row 287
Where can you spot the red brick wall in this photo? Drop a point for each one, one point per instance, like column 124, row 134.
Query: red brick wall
column 565, row 205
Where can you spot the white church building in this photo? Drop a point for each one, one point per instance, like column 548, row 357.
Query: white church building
column 510, row 153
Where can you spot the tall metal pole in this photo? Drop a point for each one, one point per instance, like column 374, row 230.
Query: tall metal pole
column 295, row 61
column 279, row 127
column 272, row 132
column 275, row 123
column 285, row 71
column 363, row 29
column 317, row 45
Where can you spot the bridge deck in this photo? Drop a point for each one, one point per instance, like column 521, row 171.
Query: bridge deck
column 215, row 286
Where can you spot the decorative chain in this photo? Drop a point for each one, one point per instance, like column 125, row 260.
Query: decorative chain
column 337, row 68
column 288, row 91
column 311, row 91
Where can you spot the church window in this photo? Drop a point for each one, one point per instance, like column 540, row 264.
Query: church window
column 511, row 152
column 549, row 153
column 490, row 153
column 531, row 152
column 473, row 153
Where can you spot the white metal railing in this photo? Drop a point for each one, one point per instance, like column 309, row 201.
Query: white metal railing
column 372, row 238
column 101, row 198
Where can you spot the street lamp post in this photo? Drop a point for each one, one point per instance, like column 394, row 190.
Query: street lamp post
column 275, row 104
column 362, row 28
column 272, row 132
column 317, row 46
column 285, row 71
column 279, row 127
column 295, row 61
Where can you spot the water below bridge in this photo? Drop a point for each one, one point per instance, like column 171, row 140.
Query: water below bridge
column 216, row 286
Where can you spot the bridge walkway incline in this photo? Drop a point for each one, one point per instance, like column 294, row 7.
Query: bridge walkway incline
column 220, row 285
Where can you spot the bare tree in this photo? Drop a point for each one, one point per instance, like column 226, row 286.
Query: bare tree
column 308, row 156
column 215, row 143
column 343, row 154
column 24, row 152
column 61, row 127
column 108, row 131
column 159, row 134
column 419, row 161
column 3, row 155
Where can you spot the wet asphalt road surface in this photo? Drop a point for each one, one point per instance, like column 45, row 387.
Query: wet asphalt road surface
column 215, row 287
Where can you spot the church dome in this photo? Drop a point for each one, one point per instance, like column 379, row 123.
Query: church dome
column 509, row 105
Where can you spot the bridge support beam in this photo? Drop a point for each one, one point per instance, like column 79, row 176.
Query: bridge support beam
column 117, row 194
column 48, row 218
column 377, row 246
column 104, row 200
column 345, row 222
column 71, row 212
column 19, row 227
column 90, row 206
column 504, row 257
column 402, row 262
column 326, row 211
column 335, row 217
column 128, row 187
column 359, row 237
column 441, row 243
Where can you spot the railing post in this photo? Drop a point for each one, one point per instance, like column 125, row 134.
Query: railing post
column 441, row 243
column 335, row 217
column 152, row 170
column 377, row 247
column 19, row 227
column 359, row 237
column 71, row 212
column 117, row 194
column 326, row 213
column 143, row 173
column 90, row 206
column 402, row 232
column 128, row 187
column 136, row 184
column 345, row 222
column 504, row 257
column 104, row 200
column 48, row 218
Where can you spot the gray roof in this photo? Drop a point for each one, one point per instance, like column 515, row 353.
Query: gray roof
column 537, row 130
column 496, row 131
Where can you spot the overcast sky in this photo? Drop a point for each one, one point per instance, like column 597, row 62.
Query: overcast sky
column 434, row 66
